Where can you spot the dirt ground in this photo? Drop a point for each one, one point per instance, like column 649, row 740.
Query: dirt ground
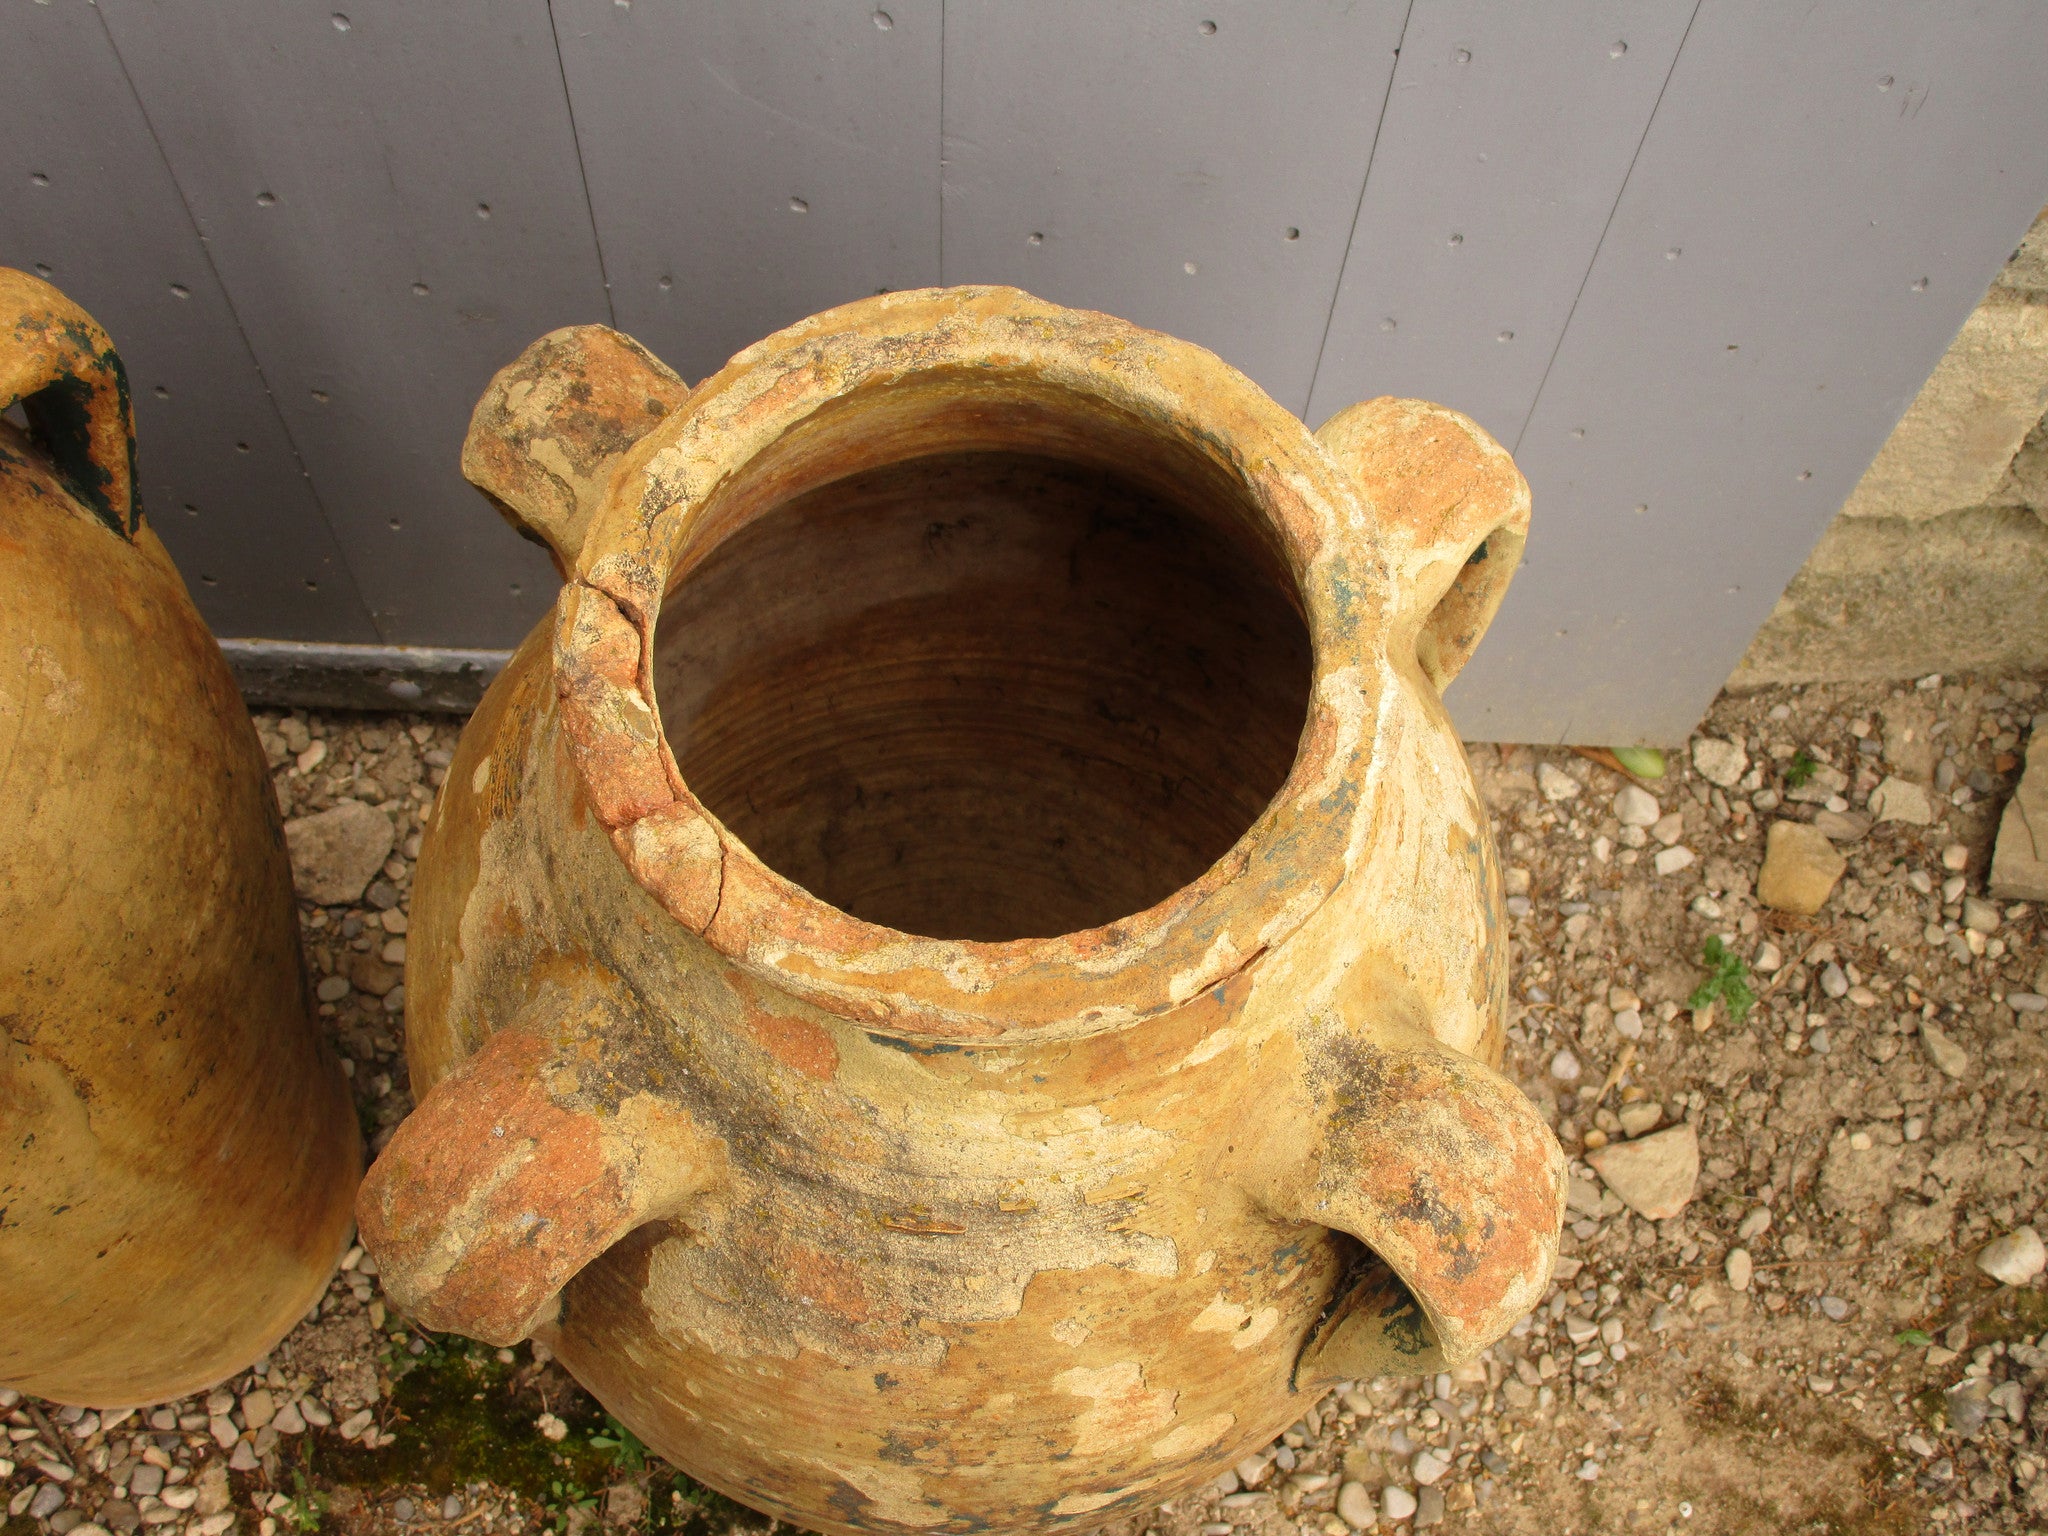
column 1879, row 1115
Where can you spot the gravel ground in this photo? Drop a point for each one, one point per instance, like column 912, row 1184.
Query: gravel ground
column 1809, row 1344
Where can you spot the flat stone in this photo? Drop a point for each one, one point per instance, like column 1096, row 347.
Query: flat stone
column 1952, row 1060
column 2019, row 861
column 1901, row 800
column 1740, row 1268
column 1969, row 1405
column 1669, row 861
column 1635, row 806
column 1654, row 1175
column 1429, row 1467
column 336, row 853
column 1842, row 826
column 1719, row 762
column 1801, row 868
column 1396, row 1502
column 1555, row 784
column 258, row 1408
column 1355, row 1507
column 372, row 975
column 1641, row 1118
column 2014, row 1259
column 1979, row 915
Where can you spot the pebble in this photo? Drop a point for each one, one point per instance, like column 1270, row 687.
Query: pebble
column 1555, row 784
column 1842, row 826
column 402, row 1508
column 1837, row 1310
column 1635, row 806
column 1429, row 1467
column 1641, row 1117
column 1969, row 1405
column 1952, row 1060
column 1901, row 800
column 1669, row 861
column 1396, row 1502
column 47, row 1501
column 2014, row 1259
column 336, row 853
column 1979, row 915
column 1719, row 762
column 1653, row 1175
column 1955, row 857
column 1834, row 981
column 1355, row 1507
column 1564, row 1066
column 258, row 1408
column 2026, row 1002
column 1755, row 1224
column 1628, row 1024
column 1669, row 828
column 1429, row 1508
column 1739, row 1269
column 1801, row 869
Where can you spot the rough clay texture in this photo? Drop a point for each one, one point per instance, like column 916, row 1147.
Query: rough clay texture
column 877, row 1231
column 179, row 1154
column 1938, row 561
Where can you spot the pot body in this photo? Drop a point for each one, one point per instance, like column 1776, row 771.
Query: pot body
column 878, row 1232
column 181, row 1152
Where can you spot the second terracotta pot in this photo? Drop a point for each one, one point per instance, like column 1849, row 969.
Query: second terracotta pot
column 957, row 979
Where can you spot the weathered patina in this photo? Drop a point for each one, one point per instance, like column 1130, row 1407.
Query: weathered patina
column 1018, row 1014
column 178, row 1154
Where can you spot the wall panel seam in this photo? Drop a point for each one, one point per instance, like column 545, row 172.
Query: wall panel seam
column 241, row 331
column 1357, row 212
column 604, row 276
column 1599, row 245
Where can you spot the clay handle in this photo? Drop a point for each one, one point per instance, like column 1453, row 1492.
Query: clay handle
column 1453, row 507
column 553, row 425
column 61, row 368
column 495, row 1192
column 1454, row 1185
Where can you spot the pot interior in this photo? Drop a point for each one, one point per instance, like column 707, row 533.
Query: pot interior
column 989, row 670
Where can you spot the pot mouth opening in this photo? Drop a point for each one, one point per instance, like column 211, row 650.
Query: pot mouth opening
column 975, row 668
column 983, row 661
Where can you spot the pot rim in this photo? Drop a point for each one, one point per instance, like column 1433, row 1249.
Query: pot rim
column 960, row 990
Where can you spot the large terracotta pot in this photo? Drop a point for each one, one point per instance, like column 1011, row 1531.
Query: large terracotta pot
column 1016, row 1019
column 179, row 1152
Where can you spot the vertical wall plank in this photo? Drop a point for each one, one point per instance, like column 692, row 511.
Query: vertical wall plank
column 391, row 195
column 1820, row 200
column 750, row 165
column 1193, row 165
column 86, row 199
column 1507, row 138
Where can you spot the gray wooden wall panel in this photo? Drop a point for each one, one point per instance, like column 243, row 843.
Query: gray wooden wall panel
column 1839, row 180
column 86, row 200
column 1506, row 141
column 341, row 160
column 1193, row 165
column 750, row 165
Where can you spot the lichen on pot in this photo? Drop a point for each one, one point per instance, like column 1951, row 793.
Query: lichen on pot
column 959, row 975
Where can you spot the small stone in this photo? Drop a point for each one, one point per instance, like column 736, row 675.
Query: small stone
column 1955, row 858
column 1834, row 1308
column 223, row 1430
column 1635, row 806
column 1564, row 1066
column 1769, row 959
column 338, row 852
column 1429, row 1467
column 2014, row 1259
column 1834, row 981
column 218, row 1523
column 1669, row 861
column 402, row 1508
column 1740, row 1267
column 625, row 1506
column 551, row 1427
column 1901, row 800
column 1655, row 1175
column 214, row 1494
column 1719, row 762
column 258, row 1408
column 1555, row 784
column 1800, row 869
column 47, row 1501
column 1969, row 1405
column 1755, row 1224
column 244, row 1458
column 1355, row 1507
column 1950, row 1058
column 1396, row 1502
column 1589, row 1470
column 1429, row 1508
column 356, row 1423
column 1979, row 915
column 1582, row 1196
column 2019, row 859
column 146, row 1481
column 289, row 1420
column 1842, row 826
column 1629, row 1024
column 1669, row 828
column 1640, row 1118
column 2026, row 1002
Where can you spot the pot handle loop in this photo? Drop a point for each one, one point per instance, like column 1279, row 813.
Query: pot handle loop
column 494, row 1192
column 553, row 424
column 1455, row 1186
column 61, row 368
column 1453, row 509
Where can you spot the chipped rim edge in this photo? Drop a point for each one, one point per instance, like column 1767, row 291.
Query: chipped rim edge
column 955, row 990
